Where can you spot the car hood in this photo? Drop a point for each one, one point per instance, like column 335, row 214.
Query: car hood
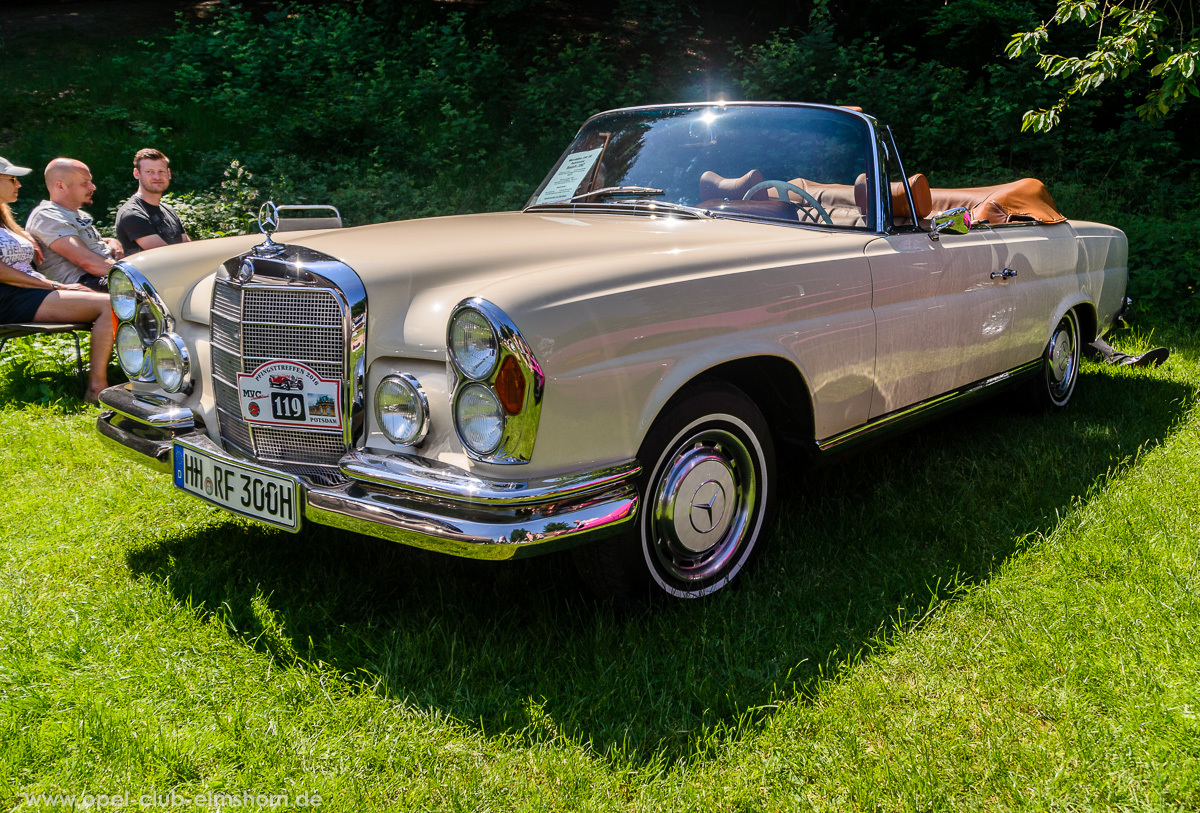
column 526, row 263
column 416, row 271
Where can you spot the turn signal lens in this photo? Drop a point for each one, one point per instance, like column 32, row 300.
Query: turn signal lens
column 510, row 386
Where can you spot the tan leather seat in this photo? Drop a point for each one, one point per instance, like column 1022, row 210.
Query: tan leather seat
column 922, row 197
column 714, row 187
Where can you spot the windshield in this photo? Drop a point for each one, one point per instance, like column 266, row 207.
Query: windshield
column 790, row 164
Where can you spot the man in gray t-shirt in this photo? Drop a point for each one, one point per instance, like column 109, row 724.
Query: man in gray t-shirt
column 74, row 251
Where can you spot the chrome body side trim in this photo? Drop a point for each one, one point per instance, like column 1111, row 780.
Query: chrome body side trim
column 404, row 498
column 917, row 413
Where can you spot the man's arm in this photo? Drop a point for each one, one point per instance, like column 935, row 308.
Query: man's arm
column 150, row 241
column 76, row 251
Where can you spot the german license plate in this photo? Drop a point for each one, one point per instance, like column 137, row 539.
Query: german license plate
column 252, row 492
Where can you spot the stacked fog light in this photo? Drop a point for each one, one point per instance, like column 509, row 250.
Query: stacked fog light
column 147, row 350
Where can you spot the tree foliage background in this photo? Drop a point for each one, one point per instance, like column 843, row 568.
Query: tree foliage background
column 396, row 109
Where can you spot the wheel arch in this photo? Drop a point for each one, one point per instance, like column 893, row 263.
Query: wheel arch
column 1085, row 312
column 773, row 383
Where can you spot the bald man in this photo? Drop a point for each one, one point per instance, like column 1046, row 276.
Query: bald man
column 74, row 251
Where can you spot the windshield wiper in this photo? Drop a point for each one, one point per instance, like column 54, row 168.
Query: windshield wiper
column 613, row 191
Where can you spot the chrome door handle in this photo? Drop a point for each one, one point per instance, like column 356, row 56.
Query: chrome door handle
column 1005, row 274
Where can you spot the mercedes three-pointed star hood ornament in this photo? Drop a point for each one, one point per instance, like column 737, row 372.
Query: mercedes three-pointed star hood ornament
column 268, row 224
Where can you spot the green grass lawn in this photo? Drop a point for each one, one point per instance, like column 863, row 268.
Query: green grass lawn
column 999, row 611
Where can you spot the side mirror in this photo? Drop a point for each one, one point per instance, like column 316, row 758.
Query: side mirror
column 951, row 221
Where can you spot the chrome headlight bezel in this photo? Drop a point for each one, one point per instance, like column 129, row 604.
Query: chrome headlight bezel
column 512, row 376
column 137, row 305
column 403, row 386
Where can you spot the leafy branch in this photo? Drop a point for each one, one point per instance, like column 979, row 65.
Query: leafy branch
column 1130, row 33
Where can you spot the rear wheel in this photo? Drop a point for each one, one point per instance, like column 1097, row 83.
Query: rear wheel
column 1054, row 384
column 707, row 499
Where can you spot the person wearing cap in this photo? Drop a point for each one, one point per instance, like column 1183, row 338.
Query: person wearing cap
column 74, row 251
column 144, row 221
column 28, row 296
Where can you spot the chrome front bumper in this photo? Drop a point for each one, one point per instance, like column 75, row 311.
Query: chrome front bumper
column 405, row 498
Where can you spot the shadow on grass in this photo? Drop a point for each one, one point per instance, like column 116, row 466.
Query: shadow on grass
column 863, row 546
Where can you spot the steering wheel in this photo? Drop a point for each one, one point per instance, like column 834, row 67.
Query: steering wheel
column 783, row 187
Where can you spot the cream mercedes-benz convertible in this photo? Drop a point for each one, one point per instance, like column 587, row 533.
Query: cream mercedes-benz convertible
column 693, row 291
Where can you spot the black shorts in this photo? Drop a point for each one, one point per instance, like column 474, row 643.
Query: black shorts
column 20, row 304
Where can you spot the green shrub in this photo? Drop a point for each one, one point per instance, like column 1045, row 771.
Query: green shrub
column 1164, row 266
column 384, row 121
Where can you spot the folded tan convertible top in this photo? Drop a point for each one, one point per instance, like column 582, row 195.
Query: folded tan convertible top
column 1020, row 201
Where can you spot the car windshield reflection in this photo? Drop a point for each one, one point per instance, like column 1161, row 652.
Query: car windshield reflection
column 789, row 164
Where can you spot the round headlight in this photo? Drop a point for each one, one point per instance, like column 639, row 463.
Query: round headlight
column 401, row 409
column 148, row 322
column 130, row 351
column 473, row 343
column 169, row 357
column 479, row 418
column 123, row 295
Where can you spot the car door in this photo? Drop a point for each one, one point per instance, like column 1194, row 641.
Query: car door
column 943, row 321
column 1047, row 270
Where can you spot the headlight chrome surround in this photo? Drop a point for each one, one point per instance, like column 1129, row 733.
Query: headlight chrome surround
column 407, row 422
column 137, row 306
column 171, row 363
column 508, row 378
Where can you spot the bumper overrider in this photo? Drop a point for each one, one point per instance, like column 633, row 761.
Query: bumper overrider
column 403, row 498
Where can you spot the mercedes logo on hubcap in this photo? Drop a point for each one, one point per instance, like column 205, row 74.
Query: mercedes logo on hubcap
column 708, row 506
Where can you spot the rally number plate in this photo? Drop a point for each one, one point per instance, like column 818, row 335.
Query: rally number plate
column 291, row 394
column 268, row 497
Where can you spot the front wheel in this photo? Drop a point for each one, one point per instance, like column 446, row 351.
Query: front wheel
column 707, row 499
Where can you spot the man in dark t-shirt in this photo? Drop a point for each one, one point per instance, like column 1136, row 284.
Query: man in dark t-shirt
column 144, row 221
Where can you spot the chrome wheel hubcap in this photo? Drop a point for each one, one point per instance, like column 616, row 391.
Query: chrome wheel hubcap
column 1063, row 359
column 701, row 505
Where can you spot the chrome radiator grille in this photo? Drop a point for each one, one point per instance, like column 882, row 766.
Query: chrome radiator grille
column 252, row 325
